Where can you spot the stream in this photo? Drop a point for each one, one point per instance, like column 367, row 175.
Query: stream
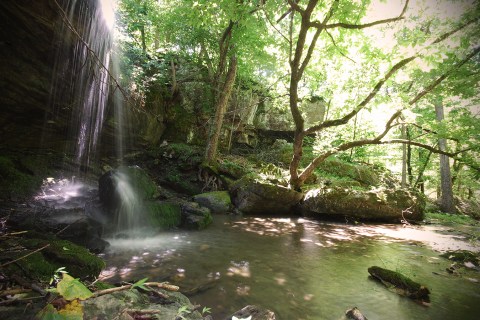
column 301, row 268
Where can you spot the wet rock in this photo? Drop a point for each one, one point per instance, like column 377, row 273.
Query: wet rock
column 355, row 314
column 255, row 312
column 195, row 217
column 254, row 197
column 116, row 305
column 216, row 201
column 115, row 185
column 69, row 224
column 163, row 215
column 463, row 256
column 385, row 205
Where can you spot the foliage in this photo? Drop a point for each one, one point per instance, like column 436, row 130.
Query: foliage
column 72, row 290
column 447, row 218
column 344, row 62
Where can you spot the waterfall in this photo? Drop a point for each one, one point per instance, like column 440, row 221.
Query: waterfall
column 83, row 57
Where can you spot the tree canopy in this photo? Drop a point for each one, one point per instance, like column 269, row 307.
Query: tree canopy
column 377, row 66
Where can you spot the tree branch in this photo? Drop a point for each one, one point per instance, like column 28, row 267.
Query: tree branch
column 362, row 26
column 335, row 44
column 460, row 27
column 444, row 76
column 373, row 93
column 296, row 7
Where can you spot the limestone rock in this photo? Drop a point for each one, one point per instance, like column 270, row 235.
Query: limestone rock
column 216, row 201
column 368, row 205
column 254, row 197
column 255, row 312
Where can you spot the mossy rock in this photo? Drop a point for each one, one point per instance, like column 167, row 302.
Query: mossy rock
column 366, row 175
column 252, row 196
column 195, row 217
column 41, row 265
column 216, row 201
column 163, row 215
column 112, row 306
column 114, row 184
column 462, row 256
column 366, row 205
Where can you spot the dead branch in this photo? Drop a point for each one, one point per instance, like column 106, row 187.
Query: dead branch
column 32, row 285
column 92, row 53
column 23, row 257
column 160, row 285
column 11, row 292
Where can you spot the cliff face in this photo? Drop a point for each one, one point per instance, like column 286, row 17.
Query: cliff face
column 35, row 97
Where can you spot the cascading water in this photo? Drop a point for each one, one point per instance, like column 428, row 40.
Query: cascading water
column 88, row 66
column 84, row 65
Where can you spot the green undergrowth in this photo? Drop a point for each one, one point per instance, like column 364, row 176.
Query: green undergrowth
column 447, row 218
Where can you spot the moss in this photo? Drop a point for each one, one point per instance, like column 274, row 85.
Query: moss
column 163, row 215
column 462, row 256
column 15, row 181
column 77, row 260
column 335, row 169
column 145, row 187
column 220, row 197
column 411, row 288
column 206, row 221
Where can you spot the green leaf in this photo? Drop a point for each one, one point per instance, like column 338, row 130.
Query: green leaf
column 139, row 284
column 70, row 288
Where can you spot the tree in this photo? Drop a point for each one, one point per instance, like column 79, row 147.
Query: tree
column 310, row 28
column 446, row 198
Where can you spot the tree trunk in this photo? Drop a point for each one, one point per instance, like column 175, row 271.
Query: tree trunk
column 446, row 193
column 220, row 108
column 404, row 159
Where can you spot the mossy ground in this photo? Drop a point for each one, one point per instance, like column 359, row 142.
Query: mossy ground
column 56, row 253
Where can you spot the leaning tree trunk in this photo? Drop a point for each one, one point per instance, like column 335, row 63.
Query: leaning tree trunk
column 220, row 108
column 446, row 197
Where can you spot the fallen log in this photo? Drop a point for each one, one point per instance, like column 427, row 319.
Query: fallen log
column 401, row 284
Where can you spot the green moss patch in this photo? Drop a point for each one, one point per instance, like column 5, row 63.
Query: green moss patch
column 163, row 215
column 56, row 253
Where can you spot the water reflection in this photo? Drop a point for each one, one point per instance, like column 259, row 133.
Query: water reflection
column 300, row 268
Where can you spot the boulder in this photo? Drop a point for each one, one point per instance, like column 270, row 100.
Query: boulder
column 68, row 224
column 115, row 185
column 383, row 205
column 255, row 312
column 254, row 197
column 195, row 217
column 121, row 305
column 216, row 201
